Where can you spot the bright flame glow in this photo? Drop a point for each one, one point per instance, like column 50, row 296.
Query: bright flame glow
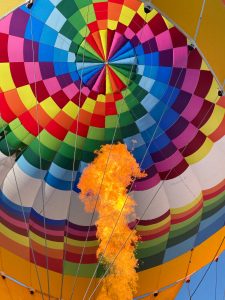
column 121, row 280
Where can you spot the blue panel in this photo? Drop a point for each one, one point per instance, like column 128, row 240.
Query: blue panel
column 38, row 12
column 61, row 68
column 57, row 183
column 169, row 118
column 210, row 226
column 61, row 173
column 48, row 36
column 159, row 89
column 60, row 55
column 13, row 209
column 46, row 53
column 179, row 249
column 30, row 170
column 125, row 51
column 159, row 143
column 170, row 95
column 145, row 122
column 164, row 74
column 34, row 30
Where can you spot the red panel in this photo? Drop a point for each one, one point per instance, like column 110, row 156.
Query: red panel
column 204, row 114
column 6, row 113
column 98, row 121
column 101, row 10
column 4, row 47
column 204, row 83
column 81, row 130
column 157, row 25
column 39, row 90
column 194, row 145
column 178, row 39
column 30, row 123
column 56, row 130
column 194, row 60
column 60, row 98
column 19, row 74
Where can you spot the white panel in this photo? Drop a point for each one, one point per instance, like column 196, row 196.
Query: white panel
column 155, row 199
column 183, row 189
column 5, row 166
column 56, row 202
column 27, row 187
column 78, row 215
column 211, row 169
column 221, row 144
column 56, row 205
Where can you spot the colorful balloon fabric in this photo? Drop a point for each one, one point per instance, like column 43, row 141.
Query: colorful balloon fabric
column 75, row 75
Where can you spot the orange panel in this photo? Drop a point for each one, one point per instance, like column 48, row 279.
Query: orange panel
column 211, row 37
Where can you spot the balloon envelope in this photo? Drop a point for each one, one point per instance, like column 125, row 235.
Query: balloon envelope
column 78, row 74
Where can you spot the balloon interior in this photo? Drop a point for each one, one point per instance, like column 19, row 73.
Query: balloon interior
column 82, row 76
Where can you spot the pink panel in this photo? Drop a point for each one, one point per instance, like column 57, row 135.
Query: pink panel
column 180, row 56
column 164, row 41
column 52, row 85
column 15, row 43
column 191, row 80
column 32, row 71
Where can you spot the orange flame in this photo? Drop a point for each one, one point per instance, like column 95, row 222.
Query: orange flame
column 108, row 186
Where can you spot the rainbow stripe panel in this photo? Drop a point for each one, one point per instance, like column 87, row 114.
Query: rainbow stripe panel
column 75, row 75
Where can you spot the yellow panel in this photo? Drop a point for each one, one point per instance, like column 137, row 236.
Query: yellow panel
column 103, row 37
column 27, row 96
column 6, row 81
column 50, row 107
column 89, row 105
column 10, row 290
column 9, row 5
column 112, row 24
column 200, row 153
column 126, row 15
column 185, row 13
column 211, row 37
column 214, row 121
column 71, row 109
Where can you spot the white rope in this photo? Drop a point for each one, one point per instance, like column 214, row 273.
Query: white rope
column 74, row 156
column 39, row 152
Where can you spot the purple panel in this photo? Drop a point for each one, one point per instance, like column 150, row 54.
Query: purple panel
column 18, row 23
column 47, row 70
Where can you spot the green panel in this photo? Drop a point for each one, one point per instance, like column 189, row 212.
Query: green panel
column 96, row 133
column 179, row 239
column 138, row 112
column 85, row 270
column 91, row 145
column 125, row 119
column 151, row 261
column 67, row 163
column 111, row 121
column 67, row 8
column 49, row 140
column 34, row 159
column 129, row 130
column 68, row 30
column 110, row 132
column 38, row 148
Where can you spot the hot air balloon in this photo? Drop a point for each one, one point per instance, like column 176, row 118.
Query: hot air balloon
column 75, row 75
